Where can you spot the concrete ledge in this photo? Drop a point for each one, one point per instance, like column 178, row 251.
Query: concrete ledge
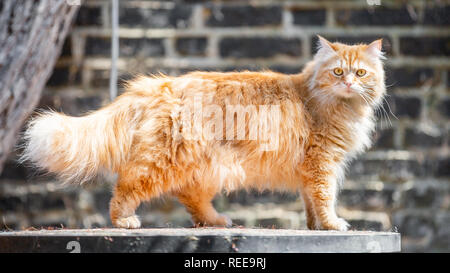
column 168, row 240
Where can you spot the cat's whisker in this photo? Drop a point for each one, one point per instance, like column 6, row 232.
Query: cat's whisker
column 390, row 85
column 389, row 107
column 377, row 110
column 385, row 114
column 380, row 108
column 368, row 104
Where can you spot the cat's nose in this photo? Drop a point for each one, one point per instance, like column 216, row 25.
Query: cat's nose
column 348, row 84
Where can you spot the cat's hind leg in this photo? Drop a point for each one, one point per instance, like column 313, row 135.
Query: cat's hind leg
column 123, row 205
column 133, row 187
column 197, row 200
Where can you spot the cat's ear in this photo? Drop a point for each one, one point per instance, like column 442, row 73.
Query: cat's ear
column 374, row 49
column 324, row 46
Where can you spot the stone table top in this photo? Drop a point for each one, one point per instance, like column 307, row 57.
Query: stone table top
column 164, row 240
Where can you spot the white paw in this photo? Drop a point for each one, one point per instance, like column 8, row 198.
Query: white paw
column 127, row 222
column 341, row 225
column 335, row 224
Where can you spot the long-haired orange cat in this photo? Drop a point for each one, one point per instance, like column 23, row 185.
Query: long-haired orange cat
column 196, row 135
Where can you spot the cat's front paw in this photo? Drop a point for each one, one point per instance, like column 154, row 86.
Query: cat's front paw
column 336, row 224
column 127, row 222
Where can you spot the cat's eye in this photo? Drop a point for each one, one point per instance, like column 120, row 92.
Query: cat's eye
column 360, row 72
column 338, row 71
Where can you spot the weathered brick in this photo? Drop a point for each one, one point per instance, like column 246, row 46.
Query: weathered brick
column 406, row 106
column 425, row 46
column 416, row 138
column 49, row 201
column 422, row 197
column 101, row 200
column 98, row 46
column 259, row 47
column 11, row 203
column 67, row 48
column 89, row 16
column 441, row 239
column 413, row 225
column 234, row 16
column 443, row 167
column 128, row 47
column 182, row 71
column 378, row 16
column 71, row 103
column 384, row 139
column 177, row 17
column 12, row 170
column 34, row 202
column 100, row 78
column 50, row 224
column 63, row 76
column 437, row 16
column 408, row 77
column 253, row 197
column 286, row 69
column 363, row 224
column 355, row 39
column 366, row 199
column 142, row 47
column 444, row 107
column 191, row 46
column 388, row 170
column 448, row 78
column 309, row 17
column 60, row 76
column 80, row 105
column 249, row 67
column 274, row 222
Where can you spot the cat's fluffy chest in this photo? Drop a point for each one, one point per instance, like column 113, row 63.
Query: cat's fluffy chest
column 346, row 134
column 360, row 132
column 358, row 136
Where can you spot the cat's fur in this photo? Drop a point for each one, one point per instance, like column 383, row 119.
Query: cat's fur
column 323, row 124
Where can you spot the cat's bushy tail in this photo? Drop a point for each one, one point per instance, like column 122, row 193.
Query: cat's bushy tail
column 76, row 149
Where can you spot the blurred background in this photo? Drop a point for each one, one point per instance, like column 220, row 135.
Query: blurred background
column 402, row 184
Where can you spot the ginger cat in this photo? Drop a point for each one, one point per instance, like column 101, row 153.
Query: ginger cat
column 196, row 135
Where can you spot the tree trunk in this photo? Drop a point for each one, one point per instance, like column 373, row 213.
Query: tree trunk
column 32, row 33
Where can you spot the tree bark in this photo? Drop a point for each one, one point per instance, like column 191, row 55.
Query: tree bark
column 32, row 33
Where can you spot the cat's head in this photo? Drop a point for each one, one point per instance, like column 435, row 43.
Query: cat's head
column 349, row 71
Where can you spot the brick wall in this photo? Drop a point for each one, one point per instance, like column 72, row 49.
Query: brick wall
column 401, row 184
